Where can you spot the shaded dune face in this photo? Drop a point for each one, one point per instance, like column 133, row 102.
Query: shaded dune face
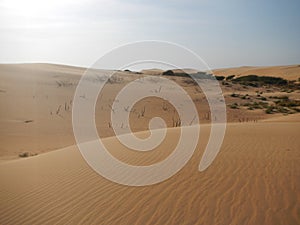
column 242, row 186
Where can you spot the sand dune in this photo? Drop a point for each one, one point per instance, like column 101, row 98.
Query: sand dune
column 290, row 72
column 287, row 72
column 254, row 180
column 294, row 118
column 36, row 103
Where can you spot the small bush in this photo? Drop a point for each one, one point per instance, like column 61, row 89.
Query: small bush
column 254, row 80
column 26, row 154
column 296, row 109
column 270, row 110
column 280, row 97
column 220, row 78
column 263, row 98
column 246, row 96
column 256, row 105
column 234, row 95
column 234, row 106
column 287, row 103
column 230, row 77
column 168, row 73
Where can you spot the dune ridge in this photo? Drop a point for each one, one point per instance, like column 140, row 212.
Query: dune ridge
column 291, row 72
column 254, row 180
column 36, row 102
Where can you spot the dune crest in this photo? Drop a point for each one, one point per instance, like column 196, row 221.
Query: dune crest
column 252, row 181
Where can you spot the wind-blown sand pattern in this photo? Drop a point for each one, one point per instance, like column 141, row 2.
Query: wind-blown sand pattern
column 255, row 179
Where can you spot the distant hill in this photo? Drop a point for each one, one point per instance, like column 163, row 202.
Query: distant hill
column 291, row 72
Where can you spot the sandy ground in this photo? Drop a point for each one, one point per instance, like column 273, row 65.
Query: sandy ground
column 255, row 178
column 291, row 72
column 36, row 103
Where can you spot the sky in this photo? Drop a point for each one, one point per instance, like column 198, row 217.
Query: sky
column 223, row 33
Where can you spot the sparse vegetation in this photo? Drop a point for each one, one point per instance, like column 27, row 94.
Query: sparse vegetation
column 168, row 73
column 26, row 154
column 246, row 96
column 226, row 83
column 176, row 122
column 164, row 106
column 142, row 113
column 286, row 102
column 270, row 110
column 280, row 97
column 282, row 105
column 234, row 95
column 256, row 105
column 64, row 83
column 234, row 106
column 262, row 98
column 257, row 81
column 198, row 75
column 28, row 121
column 115, row 80
column 230, row 77
column 220, row 78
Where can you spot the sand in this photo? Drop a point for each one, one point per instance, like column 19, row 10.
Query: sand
column 36, row 102
column 255, row 178
column 291, row 72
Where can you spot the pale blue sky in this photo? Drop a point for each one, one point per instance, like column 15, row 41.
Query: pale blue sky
column 223, row 33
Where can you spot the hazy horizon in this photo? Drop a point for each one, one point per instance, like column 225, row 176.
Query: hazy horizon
column 77, row 33
column 134, row 69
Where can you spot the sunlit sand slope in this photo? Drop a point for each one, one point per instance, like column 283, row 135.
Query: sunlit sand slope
column 255, row 179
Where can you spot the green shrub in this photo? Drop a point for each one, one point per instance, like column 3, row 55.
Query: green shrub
column 254, row 80
column 287, row 103
column 256, row 105
column 234, row 95
column 168, row 73
column 263, row 98
column 234, row 106
column 270, row 110
column 220, row 78
column 230, row 77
